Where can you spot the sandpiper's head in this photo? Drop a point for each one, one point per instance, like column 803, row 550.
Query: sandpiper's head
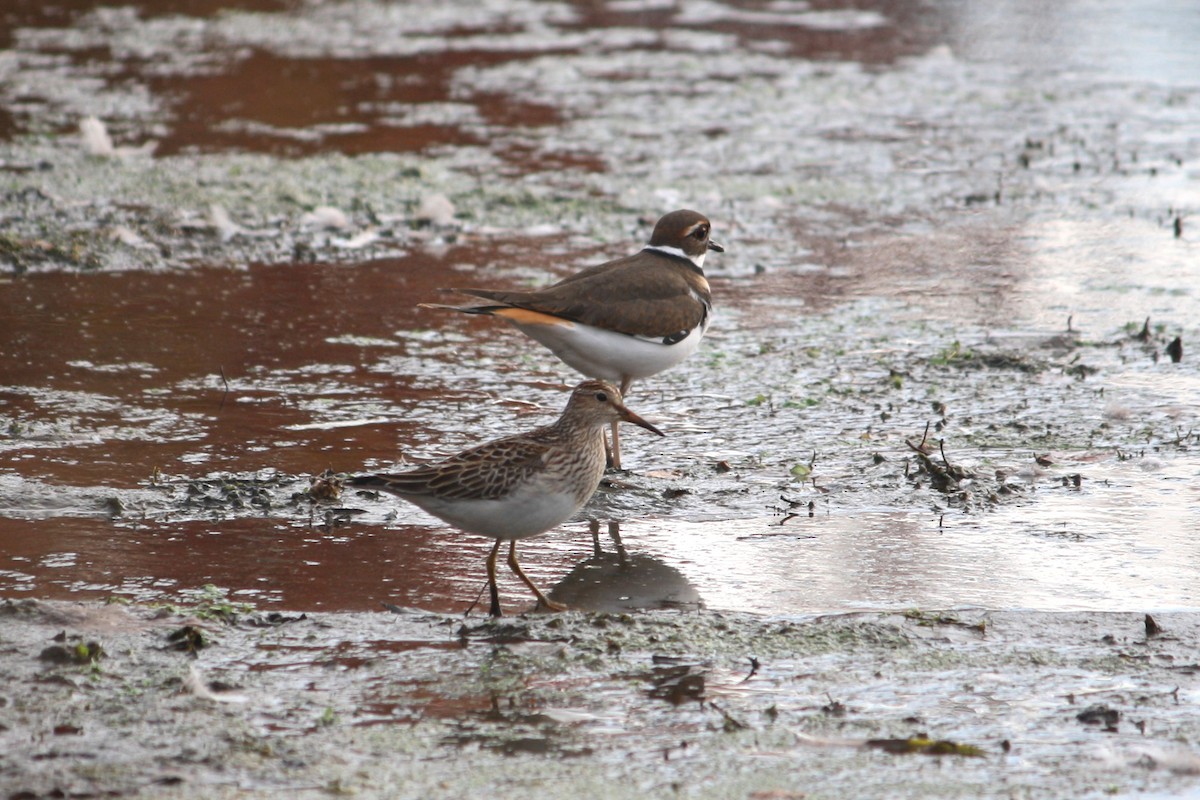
column 599, row 403
column 685, row 234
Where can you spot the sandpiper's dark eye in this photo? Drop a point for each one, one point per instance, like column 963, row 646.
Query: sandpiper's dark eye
column 602, row 397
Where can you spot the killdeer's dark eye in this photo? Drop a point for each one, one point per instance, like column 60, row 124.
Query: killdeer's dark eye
column 602, row 397
column 700, row 233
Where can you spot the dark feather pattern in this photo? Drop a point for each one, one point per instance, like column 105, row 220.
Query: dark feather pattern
column 509, row 462
column 655, row 293
column 569, row 451
column 649, row 294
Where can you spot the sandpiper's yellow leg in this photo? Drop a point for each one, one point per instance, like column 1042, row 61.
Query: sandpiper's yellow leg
column 542, row 600
column 492, row 588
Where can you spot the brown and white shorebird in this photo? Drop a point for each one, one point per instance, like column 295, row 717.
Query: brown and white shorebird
column 628, row 318
column 518, row 486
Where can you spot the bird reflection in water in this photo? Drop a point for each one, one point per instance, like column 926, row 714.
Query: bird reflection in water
column 618, row 582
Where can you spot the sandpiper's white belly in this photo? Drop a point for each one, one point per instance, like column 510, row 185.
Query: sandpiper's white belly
column 532, row 509
column 611, row 356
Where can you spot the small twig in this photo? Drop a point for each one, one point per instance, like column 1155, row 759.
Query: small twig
column 1144, row 335
column 475, row 602
column 731, row 722
column 919, row 447
column 753, row 669
column 924, row 437
column 942, row 450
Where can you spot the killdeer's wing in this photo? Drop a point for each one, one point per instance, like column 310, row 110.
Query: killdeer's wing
column 644, row 295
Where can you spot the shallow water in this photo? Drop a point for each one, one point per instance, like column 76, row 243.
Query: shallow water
column 895, row 186
column 342, row 379
column 1068, row 551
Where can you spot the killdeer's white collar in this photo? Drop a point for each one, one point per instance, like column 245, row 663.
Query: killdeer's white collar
column 677, row 252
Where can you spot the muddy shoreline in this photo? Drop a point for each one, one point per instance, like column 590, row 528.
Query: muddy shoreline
column 700, row 704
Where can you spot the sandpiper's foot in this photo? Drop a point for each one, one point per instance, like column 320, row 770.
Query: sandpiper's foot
column 545, row 604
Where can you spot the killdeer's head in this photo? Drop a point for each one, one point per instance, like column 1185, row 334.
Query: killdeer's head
column 684, row 234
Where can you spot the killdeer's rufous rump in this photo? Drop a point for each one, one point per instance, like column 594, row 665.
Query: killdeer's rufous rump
column 518, row 486
column 628, row 318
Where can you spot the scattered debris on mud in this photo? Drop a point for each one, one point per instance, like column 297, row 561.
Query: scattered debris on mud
column 726, row 705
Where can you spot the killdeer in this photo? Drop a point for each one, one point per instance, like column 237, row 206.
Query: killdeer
column 519, row 486
column 628, row 318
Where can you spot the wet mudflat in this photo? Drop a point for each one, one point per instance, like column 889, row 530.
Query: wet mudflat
column 977, row 703
column 959, row 248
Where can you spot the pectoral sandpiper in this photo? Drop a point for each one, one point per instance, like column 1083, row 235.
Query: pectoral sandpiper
column 518, row 486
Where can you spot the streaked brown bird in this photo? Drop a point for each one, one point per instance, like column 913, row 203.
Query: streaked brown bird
column 518, row 486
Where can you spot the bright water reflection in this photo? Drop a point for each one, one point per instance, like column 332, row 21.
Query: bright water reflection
column 1128, row 540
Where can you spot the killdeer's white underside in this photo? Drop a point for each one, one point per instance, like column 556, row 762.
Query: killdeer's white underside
column 615, row 357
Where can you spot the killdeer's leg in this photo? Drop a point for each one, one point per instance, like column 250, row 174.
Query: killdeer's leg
column 542, row 600
column 614, row 530
column 492, row 588
column 615, row 455
column 616, row 433
column 594, row 530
